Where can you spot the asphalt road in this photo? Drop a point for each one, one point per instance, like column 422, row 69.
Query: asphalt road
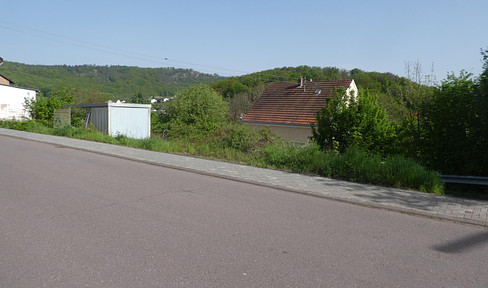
column 70, row 218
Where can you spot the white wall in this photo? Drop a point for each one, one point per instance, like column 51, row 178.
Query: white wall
column 12, row 101
column 352, row 90
column 130, row 121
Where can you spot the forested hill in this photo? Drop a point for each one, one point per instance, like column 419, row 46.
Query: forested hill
column 118, row 82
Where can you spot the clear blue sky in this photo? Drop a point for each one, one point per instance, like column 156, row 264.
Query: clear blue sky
column 234, row 38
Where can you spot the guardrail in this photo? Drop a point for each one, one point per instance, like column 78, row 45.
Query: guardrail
column 465, row 179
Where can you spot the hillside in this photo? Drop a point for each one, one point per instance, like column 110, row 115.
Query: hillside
column 121, row 82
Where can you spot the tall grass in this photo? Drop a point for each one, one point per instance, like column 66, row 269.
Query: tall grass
column 355, row 165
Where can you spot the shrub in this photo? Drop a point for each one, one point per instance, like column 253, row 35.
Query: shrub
column 197, row 110
column 66, row 131
column 240, row 137
column 344, row 124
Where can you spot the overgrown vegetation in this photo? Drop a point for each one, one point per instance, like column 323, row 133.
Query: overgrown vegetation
column 196, row 110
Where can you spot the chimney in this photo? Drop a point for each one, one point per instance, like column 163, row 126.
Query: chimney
column 301, row 82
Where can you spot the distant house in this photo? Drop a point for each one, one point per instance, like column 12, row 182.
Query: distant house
column 12, row 100
column 5, row 81
column 289, row 108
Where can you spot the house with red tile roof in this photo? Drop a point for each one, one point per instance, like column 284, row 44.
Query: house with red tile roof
column 289, row 108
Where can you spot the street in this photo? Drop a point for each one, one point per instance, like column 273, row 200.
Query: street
column 70, row 218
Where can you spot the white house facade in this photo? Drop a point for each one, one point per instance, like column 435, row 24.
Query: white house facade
column 12, row 101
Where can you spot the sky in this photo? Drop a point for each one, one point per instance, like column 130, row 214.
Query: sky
column 232, row 38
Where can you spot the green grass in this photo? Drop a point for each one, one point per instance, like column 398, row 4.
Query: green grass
column 241, row 144
column 355, row 165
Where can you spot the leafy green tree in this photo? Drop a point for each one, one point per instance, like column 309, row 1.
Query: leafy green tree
column 456, row 125
column 230, row 87
column 357, row 123
column 482, row 114
column 197, row 110
column 448, row 125
column 242, row 102
column 137, row 98
column 415, row 96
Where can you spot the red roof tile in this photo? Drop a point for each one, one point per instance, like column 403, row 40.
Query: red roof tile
column 287, row 103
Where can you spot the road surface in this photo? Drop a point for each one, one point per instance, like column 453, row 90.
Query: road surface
column 70, row 218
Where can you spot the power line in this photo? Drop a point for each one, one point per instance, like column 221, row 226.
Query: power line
column 111, row 50
column 135, row 55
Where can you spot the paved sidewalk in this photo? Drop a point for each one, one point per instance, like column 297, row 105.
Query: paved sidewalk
column 441, row 207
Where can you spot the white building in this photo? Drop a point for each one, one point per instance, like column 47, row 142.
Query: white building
column 12, row 101
column 127, row 119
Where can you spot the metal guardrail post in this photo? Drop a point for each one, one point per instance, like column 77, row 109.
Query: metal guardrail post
column 464, row 179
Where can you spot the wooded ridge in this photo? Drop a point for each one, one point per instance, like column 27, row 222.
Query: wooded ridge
column 119, row 82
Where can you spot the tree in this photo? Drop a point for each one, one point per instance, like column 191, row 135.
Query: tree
column 197, row 110
column 449, row 141
column 363, row 123
column 230, row 87
column 416, row 95
column 456, row 125
column 137, row 98
column 241, row 103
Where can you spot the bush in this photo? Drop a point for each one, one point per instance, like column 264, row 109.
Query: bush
column 197, row 110
column 240, row 137
column 343, row 124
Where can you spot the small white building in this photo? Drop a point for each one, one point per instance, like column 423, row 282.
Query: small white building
column 12, row 101
column 127, row 119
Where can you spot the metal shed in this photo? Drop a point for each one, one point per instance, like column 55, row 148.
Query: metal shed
column 116, row 118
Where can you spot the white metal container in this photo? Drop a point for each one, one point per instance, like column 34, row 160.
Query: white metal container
column 131, row 120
